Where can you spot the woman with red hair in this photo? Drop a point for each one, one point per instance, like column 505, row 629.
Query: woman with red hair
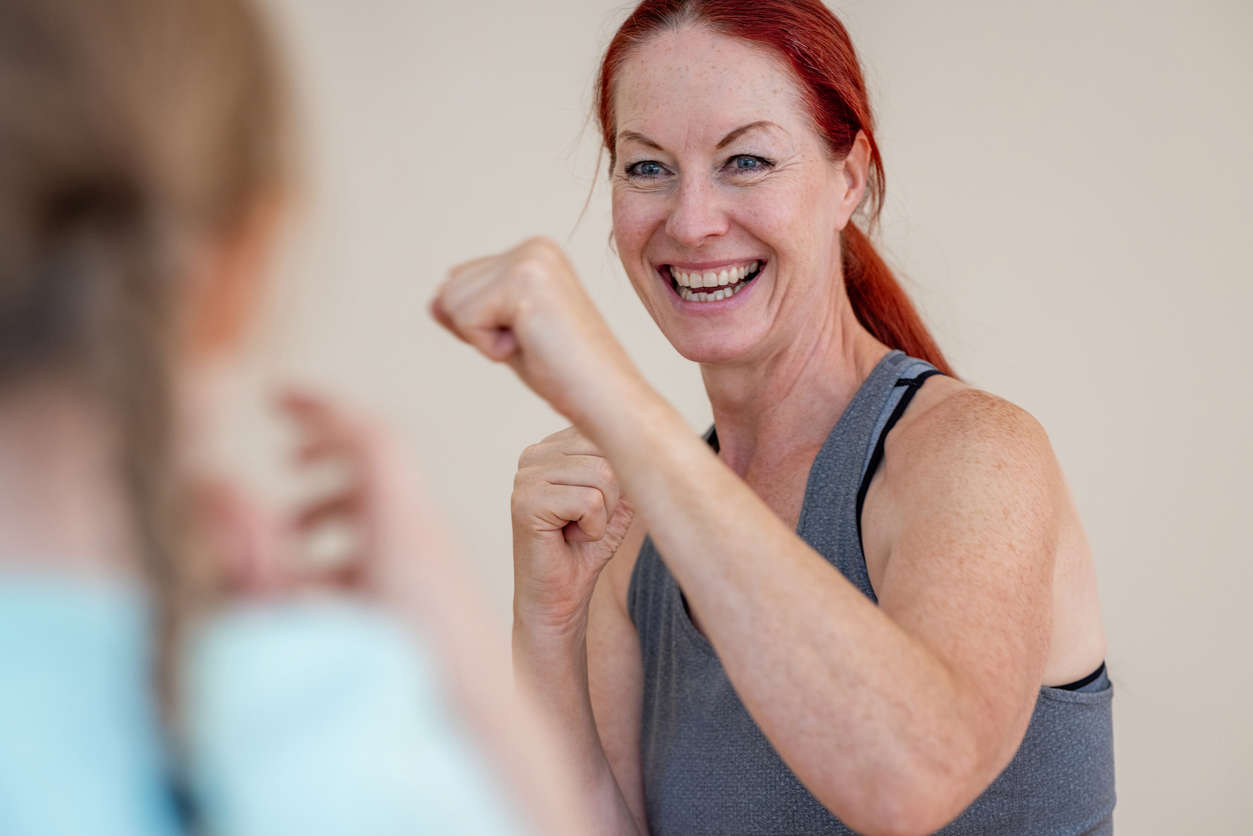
column 864, row 601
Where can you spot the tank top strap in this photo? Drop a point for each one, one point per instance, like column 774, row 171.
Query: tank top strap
column 831, row 514
column 910, row 374
column 910, row 377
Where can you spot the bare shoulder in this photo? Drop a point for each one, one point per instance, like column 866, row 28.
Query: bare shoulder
column 966, row 466
column 960, row 429
column 952, row 409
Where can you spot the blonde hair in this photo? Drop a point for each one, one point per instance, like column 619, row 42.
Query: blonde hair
column 128, row 129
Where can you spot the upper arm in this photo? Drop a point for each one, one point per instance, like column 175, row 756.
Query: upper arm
column 616, row 673
column 970, row 501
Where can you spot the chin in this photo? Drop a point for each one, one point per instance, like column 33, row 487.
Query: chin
column 713, row 349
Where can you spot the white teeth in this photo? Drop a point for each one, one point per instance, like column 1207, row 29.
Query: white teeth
column 728, row 282
column 701, row 296
column 713, row 278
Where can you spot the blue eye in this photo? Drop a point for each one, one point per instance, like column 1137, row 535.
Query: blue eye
column 747, row 163
column 646, row 169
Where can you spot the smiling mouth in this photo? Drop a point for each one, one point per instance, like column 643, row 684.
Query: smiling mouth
column 712, row 285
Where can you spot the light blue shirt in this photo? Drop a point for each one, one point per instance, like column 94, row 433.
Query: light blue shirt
column 80, row 750
column 319, row 717
column 313, row 717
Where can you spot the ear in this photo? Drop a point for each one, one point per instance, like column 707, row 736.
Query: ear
column 225, row 288
column 855, row 169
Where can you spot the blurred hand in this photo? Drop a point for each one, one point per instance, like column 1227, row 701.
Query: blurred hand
column 526, row 307
column 398, row 557
column 569, row 517
column 401, row 560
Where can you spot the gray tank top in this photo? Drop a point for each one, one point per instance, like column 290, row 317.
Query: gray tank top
column 708, row 768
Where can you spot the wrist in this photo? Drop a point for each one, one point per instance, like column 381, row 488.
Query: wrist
column 544, row 628
column 544, row 659
column 624, row 411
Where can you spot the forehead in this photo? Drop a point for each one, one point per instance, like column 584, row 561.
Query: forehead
column 696, row 84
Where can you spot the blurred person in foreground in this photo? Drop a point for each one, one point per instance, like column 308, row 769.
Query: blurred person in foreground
column 864, row 601
column 156, row 627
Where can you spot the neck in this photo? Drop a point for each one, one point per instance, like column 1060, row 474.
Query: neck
column 61, row 503
column 770, row 409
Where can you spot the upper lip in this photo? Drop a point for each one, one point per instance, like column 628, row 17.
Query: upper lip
column 701, row 266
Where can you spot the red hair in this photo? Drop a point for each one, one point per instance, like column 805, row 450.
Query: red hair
column 816, row 46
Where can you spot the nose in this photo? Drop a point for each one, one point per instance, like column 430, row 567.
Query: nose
column 695, row 215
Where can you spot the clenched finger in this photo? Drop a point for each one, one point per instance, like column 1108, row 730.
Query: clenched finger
column 576, row 471
column 552, row 507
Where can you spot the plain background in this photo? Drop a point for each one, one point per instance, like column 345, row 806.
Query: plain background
column 1069, row 201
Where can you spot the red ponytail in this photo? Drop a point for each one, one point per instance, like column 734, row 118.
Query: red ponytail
column 880, row 303
column 820, row 53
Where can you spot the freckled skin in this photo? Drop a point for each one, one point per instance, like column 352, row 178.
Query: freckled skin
column 686, row 90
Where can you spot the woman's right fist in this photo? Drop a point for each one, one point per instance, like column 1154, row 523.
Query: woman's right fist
column 526, row 307
column 569, row 517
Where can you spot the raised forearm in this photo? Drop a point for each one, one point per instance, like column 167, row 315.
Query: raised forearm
column 554, row 668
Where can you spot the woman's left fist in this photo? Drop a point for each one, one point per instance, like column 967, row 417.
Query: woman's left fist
column 526, row 307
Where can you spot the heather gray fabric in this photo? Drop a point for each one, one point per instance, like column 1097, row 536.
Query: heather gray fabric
column 709, row 769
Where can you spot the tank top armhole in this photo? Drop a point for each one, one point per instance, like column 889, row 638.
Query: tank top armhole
column 633, row 582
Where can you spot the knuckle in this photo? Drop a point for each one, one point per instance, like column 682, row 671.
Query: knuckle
column 530, row 272
column 459, row 313
column 527, row 478
column 539, row 244
column 528, row 453
column 593, row 501
column 604, row 471
column 536, row 260
column 560, row 435
column 519, row 501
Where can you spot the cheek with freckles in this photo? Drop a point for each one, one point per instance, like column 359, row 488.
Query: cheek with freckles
column 794, row 209
column 635, row 218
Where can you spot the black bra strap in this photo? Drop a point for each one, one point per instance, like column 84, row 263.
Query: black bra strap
column 912, row 385
column 1078, row 684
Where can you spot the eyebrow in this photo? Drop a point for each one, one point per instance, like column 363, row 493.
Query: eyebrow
column 726, row 140
column 735, row 134
column 638, row 137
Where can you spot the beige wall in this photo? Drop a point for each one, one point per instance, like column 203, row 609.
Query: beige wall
column 1069, row 196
